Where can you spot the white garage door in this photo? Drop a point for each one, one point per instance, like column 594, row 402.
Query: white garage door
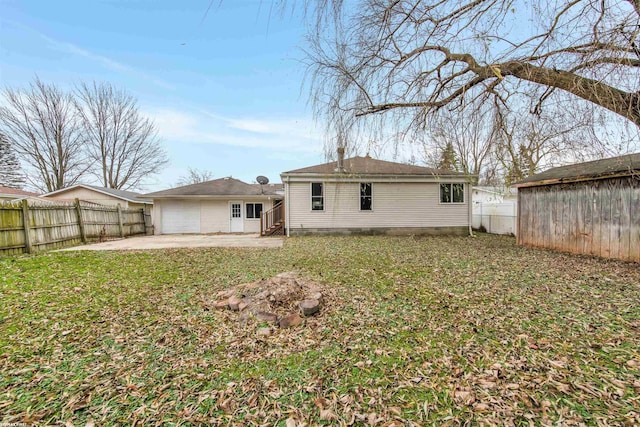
column 180, row 217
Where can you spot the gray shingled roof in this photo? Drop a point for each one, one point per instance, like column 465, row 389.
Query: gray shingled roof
column 369, row 166
column 128, row 195
column 620, row 165
column 219, row 187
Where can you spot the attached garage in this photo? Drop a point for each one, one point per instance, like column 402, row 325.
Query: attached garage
column 224, row 205
column 180, row 216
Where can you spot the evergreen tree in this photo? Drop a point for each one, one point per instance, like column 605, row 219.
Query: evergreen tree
column 10, row 174
column 521, row 166
column 448, row 158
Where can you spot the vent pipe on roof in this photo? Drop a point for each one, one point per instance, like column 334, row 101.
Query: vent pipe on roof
column 340, row 167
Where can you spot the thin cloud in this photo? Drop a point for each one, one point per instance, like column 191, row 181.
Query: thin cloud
column 206, row 128
column 298, row 127
column 107, row 62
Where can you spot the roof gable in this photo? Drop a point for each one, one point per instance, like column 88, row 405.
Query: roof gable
column 219, row 187
column 129, row 196
column 369, row 166
column 621, row 165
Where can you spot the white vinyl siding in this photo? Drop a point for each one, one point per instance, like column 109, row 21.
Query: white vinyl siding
column 396, row 205
column 253, row 225
column 213, row 216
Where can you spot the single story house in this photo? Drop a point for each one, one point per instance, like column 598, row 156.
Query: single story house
column 101, row 196
column 588, row 208
column 8, row 194
column 224, row 205
column 369, row 196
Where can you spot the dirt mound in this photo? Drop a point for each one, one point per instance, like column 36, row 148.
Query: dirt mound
column 284, row 300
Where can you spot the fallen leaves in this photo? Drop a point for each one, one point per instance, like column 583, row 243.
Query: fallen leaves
column 422, row 331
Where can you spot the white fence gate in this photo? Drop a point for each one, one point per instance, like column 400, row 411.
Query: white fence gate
column 496, row 218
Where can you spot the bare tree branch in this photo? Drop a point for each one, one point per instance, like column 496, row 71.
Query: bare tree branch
column 123, row 144
column 409, row 59
column 194, row 176
column 42, row 124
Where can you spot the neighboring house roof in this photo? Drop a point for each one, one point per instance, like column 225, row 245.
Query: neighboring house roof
column 502, row 191
column 37, row 201
column 129, row 196
column 597, row 169
column 220, row 187
column 8, row 191
column 369, row 166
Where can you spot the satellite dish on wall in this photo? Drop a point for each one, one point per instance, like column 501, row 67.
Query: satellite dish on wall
column 262, row 180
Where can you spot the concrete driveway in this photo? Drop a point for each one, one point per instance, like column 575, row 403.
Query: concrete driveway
column 184, row 241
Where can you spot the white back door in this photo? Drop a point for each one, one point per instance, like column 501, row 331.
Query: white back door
column 237, row 217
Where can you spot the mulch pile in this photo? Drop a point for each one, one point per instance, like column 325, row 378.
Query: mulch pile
column 285, row 301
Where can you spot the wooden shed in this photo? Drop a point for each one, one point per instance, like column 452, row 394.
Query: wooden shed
column 590, row 208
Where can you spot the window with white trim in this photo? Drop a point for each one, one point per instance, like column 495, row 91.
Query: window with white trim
column 317, row 196
column 366, row 198
column 452, row 193
column 254, row 210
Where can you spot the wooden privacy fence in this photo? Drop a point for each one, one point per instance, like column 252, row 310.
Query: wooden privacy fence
column 54, row 226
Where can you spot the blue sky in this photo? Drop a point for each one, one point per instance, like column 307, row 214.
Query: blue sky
column 225, row 91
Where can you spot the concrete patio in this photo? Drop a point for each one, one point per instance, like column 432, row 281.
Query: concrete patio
column 184, row 241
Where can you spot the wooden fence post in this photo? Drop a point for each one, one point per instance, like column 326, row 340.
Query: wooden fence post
column 120, row 221
column 148, row 222
column 83, row 237
column 25, row 223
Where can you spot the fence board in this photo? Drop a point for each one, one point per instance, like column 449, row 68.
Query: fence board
column 11, row 228
column 57, row 226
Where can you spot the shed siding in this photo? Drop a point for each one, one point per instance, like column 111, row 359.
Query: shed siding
column 395, row 205
column 599, row 217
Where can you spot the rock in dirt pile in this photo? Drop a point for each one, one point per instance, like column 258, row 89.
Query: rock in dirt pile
column 284, row 301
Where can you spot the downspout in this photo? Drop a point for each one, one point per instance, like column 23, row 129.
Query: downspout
column 287, row 216
column 470, row 209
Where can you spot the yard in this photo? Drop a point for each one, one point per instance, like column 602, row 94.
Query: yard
column 421, row 331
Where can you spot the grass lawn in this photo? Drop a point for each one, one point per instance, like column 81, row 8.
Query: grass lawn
column 422, row 331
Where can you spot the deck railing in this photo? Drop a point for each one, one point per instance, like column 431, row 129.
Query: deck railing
column 272, row 221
